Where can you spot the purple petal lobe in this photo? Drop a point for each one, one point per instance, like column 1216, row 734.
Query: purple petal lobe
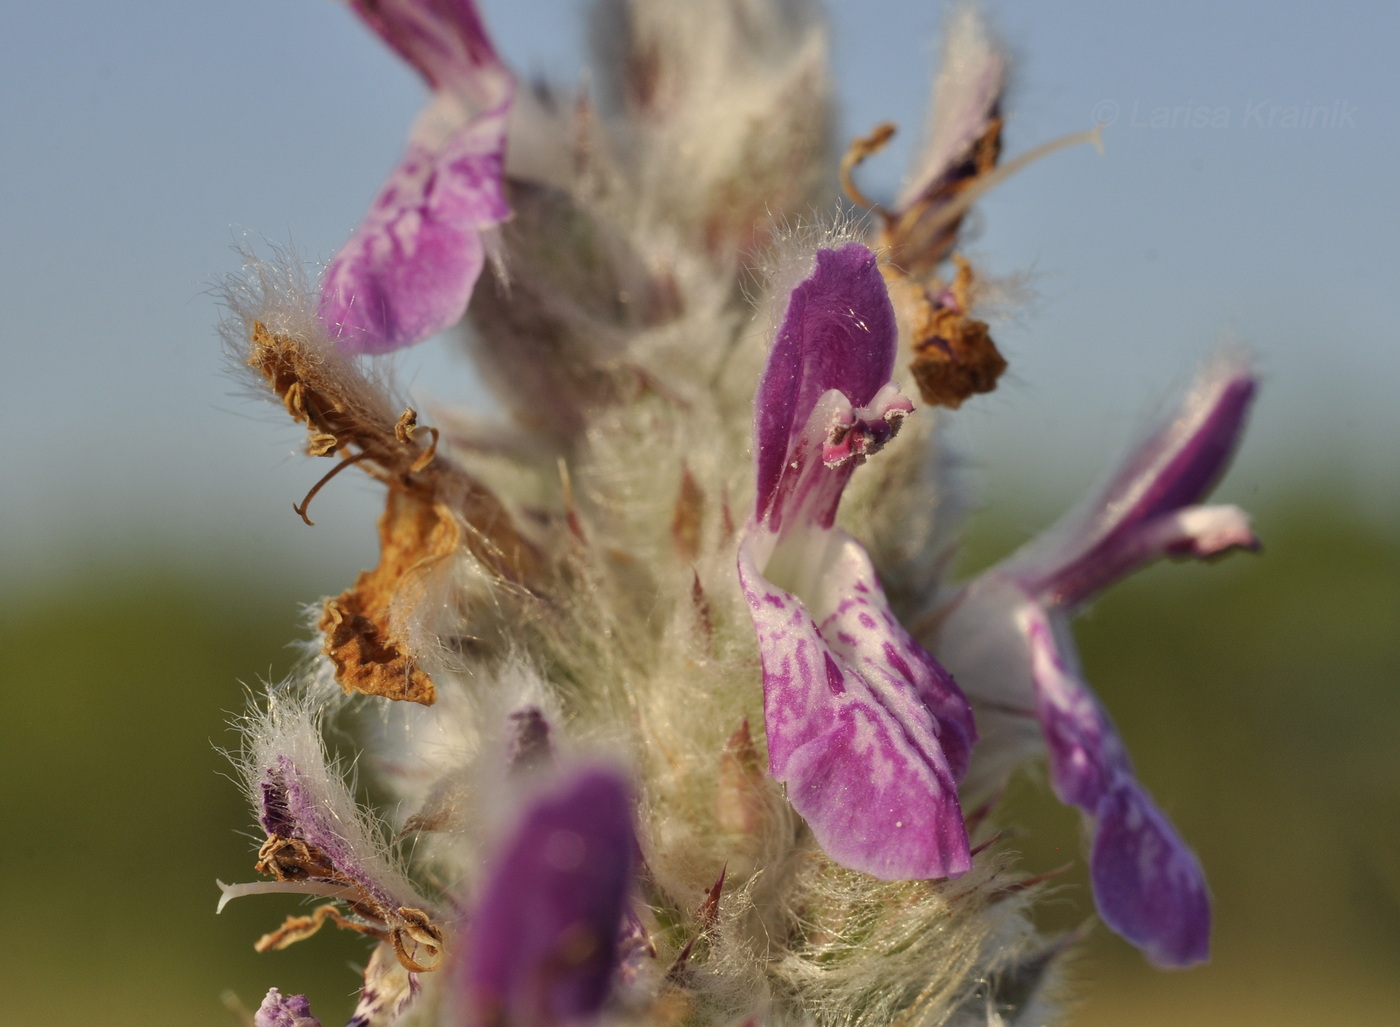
column 409, row 269
column 289, row 1011
column 1174, row 468
column 444, row 40
column 541, row 946
column 868, row 732
column 1084, row 748
column 1148, row 885
column 838, row 333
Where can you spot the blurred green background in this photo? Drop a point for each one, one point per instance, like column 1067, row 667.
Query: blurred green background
column 1259, row 698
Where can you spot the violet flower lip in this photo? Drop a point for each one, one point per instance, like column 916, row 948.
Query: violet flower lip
column 409, row 269
column 1148, row 885
column 869, row 733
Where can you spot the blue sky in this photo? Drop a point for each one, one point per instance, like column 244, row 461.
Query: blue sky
column 139, row 141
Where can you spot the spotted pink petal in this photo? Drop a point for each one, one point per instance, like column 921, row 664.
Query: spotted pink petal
column 868, row 732
column 1148, row 885
column 409, row 269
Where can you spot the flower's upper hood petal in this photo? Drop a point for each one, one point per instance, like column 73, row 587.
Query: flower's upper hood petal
column 1172, row 469
column 838, row 333
column 541, row 945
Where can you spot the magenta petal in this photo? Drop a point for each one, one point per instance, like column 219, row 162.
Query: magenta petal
column 838, row 333
column 541, row 945
column 1173, row 469
column 278, row 1010
column 410, row 268
column 867, row 731
column 444, row 40
column 1148, row 885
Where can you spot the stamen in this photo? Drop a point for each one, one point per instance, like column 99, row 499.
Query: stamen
column 859, row 150
column 302, row 507
column 425, row 935
column 237, row 891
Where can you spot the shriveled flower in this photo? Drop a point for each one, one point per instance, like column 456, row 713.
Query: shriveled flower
column 663, row 562
column 410, row 267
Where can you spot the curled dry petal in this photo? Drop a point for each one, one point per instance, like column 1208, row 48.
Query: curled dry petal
column 409, row 269
column 962, row 143
column 966, row 102
column 541, row 945
column 869, row 733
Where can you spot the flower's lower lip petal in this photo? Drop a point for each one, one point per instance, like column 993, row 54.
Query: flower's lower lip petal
column 410, row 268
column 1084, row 750
column 859, row 749
column 1148, row 885
column 872, row 804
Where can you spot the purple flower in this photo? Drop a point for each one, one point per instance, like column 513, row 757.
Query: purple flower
column 409, row 269
column 541, row 945
column 869, row 733
column 1008, row 638
column 279, row 1011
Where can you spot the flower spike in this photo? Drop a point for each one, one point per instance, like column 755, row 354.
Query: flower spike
column 1008, row 637
column 409, row 269
column 869, row 733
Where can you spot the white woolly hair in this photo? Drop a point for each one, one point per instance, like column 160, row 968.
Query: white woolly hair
column 638, row 643
column 277, row 292
column 289, row 725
